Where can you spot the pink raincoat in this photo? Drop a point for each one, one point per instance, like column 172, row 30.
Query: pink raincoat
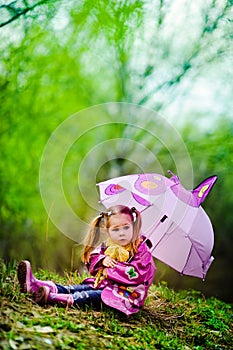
column 127, row 284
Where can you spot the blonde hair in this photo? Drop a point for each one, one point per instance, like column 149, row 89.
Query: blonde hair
column 103, row 221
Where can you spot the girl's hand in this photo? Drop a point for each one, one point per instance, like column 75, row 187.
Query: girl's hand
column 109, row 262
column 105, row 272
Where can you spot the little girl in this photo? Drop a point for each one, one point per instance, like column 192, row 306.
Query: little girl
column 122, row 266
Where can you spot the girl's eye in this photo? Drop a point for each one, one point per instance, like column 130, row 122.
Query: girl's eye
column 115, row 229
column 126, row 227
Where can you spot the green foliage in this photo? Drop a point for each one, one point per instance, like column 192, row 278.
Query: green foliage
column 212, row 153
column 170, row 320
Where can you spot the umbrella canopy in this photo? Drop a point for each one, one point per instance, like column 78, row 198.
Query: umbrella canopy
column 172, row 217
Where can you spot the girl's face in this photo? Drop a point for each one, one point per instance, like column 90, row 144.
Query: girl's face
column 120, row 229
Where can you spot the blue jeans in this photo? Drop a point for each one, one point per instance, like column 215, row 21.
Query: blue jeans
column 82, row 294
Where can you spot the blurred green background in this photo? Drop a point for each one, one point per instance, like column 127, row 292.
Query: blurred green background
column 59, row 57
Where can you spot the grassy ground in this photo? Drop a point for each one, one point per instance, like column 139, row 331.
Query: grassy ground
column 170, row 320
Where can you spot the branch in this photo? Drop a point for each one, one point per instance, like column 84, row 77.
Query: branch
column 186, row 67
column 17, row 12
column 208, row 28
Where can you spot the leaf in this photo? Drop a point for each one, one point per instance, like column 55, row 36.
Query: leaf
column 39, row 329
column 12, row 344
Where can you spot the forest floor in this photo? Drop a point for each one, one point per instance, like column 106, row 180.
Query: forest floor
column 183, row 320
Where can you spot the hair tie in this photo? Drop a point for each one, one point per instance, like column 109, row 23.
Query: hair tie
column 134, row 213
column 107, row 213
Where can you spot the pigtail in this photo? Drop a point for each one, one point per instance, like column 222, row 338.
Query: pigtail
column 92, row 238
column 137, row 224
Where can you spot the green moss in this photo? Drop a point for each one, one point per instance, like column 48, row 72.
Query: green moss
column 169, row 320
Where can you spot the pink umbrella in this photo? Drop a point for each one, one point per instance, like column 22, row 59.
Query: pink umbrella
column 178, row 227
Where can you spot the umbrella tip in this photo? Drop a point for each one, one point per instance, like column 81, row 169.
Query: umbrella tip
column 174, row 177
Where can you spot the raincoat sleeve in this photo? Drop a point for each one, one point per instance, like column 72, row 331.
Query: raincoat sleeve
column 140, row 270
column 95, row 262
